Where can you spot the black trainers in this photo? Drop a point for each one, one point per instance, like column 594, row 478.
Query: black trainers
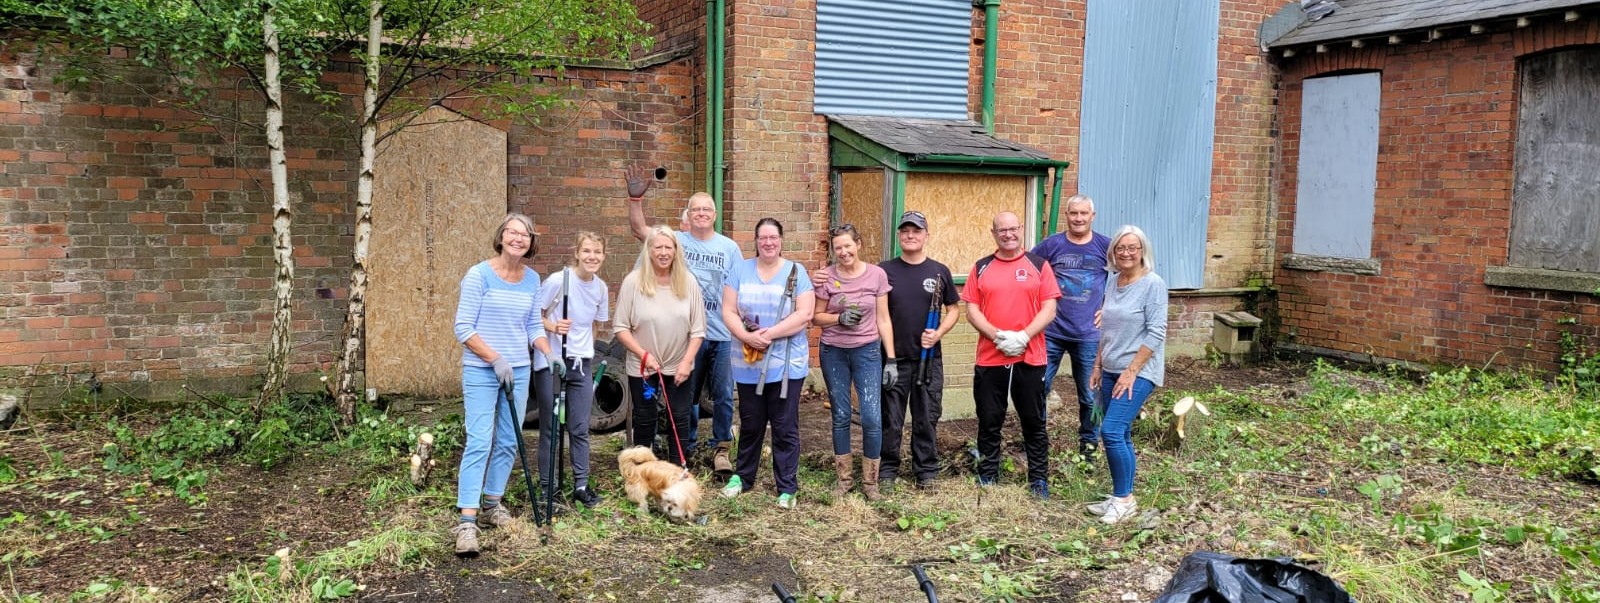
column 1090, row 451
column 586, row 497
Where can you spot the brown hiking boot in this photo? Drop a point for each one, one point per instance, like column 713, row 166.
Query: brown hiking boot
column 842, row 465
column 466, row 533
column 720, row 465
column 869, row 479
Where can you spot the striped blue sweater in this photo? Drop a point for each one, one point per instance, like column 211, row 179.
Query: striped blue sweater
column 505, row 315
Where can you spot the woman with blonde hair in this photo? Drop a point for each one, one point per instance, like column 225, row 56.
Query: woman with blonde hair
column 575, row 299
column 661, row 320
column 1130, row 365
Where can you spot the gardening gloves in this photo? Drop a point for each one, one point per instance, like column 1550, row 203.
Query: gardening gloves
column 850, row 317
column 1011, row 343
column 891, row 373
column 503, row 372
column 558, row 369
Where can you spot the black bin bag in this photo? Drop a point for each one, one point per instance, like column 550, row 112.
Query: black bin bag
column 1207, row 577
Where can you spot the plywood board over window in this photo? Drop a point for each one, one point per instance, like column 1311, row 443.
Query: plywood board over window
column 1556, row 207
column 439, row 195
column 861, row 202
column 960, row 210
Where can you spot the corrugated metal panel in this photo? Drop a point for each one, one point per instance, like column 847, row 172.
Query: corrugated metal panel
column 1338, row 180
column 1149, row 115
column 904, row 58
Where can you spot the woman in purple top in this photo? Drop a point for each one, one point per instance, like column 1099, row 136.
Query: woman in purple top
column 853, row 298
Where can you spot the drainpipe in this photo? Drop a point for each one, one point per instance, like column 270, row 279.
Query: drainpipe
column 715, row 39
column 991, row 53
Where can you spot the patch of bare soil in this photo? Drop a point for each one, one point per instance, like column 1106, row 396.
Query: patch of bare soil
column 107, row 526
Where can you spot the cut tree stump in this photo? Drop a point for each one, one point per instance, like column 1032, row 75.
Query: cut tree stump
column 422, row 462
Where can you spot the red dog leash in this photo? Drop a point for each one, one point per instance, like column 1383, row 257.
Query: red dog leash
column 662, row 380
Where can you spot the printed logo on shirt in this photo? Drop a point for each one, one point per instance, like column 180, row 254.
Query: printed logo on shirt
column 1022, row 275
column 930, row 285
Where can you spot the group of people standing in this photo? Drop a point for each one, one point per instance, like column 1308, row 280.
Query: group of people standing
column 696, row 316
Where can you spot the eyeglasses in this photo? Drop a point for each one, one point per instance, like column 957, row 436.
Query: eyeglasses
column 702, row 210
column 841, row 229
column 519, row 234
column 769, row 238
column 1010, row 230
column 1127, row 249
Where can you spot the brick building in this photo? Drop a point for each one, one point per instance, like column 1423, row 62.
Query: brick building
column 135, row 252
column 1438, row 184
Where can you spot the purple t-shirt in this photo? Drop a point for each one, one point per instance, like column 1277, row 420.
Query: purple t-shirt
column 1080, row 272
column 839, row 293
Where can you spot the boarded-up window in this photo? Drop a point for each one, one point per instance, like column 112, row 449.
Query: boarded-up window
column 901, row 58
column 1555, row 221
column 1338, row 173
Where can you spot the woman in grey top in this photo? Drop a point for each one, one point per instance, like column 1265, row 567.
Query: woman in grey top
column 1133, row 327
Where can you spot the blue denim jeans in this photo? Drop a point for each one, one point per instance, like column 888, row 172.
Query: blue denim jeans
column 491, row 446
column 1117, row 429
column 862, row 367
column 713, row 372
column 1082, row 354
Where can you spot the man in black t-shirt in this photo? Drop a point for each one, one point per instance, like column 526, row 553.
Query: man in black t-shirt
column 913, row 279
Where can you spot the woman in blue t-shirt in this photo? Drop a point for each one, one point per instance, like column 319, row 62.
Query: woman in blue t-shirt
column 767, row 303
column 497, row 319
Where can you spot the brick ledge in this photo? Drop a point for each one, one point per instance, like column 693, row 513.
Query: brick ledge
column 1325, row 263
column 1538, row 278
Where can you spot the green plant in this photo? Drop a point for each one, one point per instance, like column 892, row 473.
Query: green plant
column 1483, row 591
column 1380, row 488
column 1004, row 586
column 926, row 523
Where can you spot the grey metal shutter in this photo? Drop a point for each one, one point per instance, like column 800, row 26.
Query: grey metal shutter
column 903, row 58
column 1149, row 117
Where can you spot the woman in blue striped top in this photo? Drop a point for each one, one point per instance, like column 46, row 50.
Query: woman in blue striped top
column 497, row 320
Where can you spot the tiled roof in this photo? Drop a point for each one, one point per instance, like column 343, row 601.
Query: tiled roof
column 911, row 136
column 1366, row 18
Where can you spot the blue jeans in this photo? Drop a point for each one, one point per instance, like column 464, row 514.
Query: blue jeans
column 491, row 446
column 1117, row 429
column 862, row 367
column 713, row 370
column 1082, row 354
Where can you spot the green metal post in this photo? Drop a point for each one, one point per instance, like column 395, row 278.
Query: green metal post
column 991, row 53
column 721, row 66
column 899, row 204
column 715, row 27
column 1055, row 198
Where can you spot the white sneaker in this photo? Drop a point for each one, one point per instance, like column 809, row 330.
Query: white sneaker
column 1099, row 508
column 1117, row 510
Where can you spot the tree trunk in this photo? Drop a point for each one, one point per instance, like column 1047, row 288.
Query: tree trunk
column 355, row 318
column 282, row 220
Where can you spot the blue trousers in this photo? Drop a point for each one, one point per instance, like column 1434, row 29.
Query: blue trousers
column 863, row 368
column 713, row 373
column 1082, row 354
column 1117, row 429
column 486, row 467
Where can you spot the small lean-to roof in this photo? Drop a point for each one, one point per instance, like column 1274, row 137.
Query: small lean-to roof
column 914, row 137
column 1368, row 18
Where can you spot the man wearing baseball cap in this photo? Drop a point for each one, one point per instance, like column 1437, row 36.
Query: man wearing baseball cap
column 914, row 280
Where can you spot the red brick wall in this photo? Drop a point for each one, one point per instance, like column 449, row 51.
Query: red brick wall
column 1445, row 157
column 136, row 241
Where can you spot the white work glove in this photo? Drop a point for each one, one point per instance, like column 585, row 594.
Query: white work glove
column 1011, row 343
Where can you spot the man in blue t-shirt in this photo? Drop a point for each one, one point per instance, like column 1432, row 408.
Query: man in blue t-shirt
column 709, row 256
column 1078, row 258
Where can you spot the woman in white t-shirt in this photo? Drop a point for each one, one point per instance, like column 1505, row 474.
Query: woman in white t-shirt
column 661, row 320
column 574, row 300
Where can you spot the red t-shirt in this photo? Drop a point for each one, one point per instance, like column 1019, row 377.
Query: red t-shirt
column 1010, row 293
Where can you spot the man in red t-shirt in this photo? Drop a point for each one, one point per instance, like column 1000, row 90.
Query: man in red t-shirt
column 1011, row 298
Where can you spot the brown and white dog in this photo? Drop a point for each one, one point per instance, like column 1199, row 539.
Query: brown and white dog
column 646, row 477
